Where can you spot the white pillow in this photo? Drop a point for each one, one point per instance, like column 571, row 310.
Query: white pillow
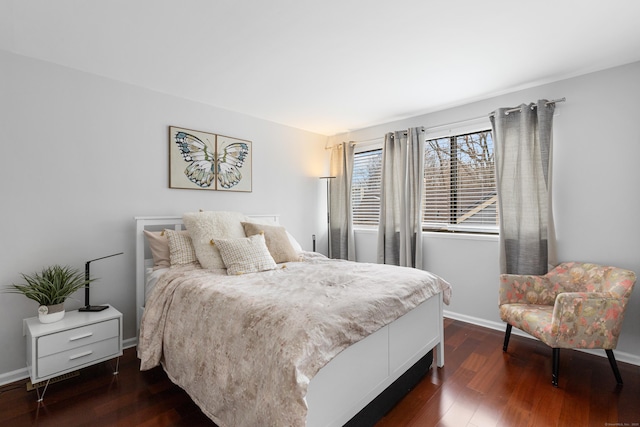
column 245, row 255
column 294, row 243
column 208, row 225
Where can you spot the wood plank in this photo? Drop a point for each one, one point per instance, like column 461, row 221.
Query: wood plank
column 479, row 386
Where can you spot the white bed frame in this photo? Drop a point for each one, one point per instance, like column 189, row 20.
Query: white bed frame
column 359, row 373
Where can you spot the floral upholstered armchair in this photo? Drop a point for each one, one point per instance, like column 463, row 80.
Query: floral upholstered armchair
column 575, row 305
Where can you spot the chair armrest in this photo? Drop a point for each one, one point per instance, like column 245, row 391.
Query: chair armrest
column 525, row 289
column 587, row 319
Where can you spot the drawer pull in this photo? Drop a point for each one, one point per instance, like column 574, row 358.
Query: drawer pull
column 78, row 356
column 79, row 337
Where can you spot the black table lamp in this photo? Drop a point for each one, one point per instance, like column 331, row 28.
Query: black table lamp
column 87, row 305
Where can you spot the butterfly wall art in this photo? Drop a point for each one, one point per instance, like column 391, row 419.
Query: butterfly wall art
column 207, row 161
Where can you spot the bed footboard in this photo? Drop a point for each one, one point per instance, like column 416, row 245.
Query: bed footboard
column 361, row 372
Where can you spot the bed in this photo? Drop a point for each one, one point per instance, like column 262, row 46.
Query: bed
column 335, row 383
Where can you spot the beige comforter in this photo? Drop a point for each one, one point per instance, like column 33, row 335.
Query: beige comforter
column 245, row 347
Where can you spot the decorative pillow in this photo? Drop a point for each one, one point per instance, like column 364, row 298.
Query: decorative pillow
column 181, row 249
column 276, row 239
column 294, row 243
column 245, row 255
column 208, row 225
column 159, row 246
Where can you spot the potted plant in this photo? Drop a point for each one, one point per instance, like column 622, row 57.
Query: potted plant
column 50, row 289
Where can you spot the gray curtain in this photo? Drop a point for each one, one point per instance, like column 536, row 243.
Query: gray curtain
column 341, row 236
column 523, row 141
column 400, row 228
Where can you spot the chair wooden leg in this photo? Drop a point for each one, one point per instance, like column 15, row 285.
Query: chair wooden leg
column 614, row 366
column 556, row 367
column 507, row 335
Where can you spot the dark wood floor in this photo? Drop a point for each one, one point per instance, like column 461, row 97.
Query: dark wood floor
column 478, row 386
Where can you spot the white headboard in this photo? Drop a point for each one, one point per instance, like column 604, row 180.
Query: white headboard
column 143, row 255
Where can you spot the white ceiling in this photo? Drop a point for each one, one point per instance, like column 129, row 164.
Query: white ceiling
column 327, row 66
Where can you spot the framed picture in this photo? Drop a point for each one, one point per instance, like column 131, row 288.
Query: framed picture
column 207, row 161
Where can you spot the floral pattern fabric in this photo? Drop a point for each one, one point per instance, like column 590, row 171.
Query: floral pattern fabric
column 575, row 305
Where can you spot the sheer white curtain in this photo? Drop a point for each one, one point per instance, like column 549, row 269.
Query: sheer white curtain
column 341, row 236
column 523, row 142
column 400, row 228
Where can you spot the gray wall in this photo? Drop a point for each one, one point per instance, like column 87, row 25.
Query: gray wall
column 83, row 155
column 595, row 192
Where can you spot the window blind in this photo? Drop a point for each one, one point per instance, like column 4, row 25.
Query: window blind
column 365, row 188
column 459, row 179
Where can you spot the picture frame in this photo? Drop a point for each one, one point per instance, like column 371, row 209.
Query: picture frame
column 207, row 161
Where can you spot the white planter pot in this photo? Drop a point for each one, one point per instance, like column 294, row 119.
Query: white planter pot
column 50, row 313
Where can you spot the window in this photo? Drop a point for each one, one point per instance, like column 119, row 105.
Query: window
column 365, row 187
column 460, row 185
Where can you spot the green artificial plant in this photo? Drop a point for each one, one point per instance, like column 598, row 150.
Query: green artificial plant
column 52, row 286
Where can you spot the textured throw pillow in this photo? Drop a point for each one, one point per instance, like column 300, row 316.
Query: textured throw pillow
column 159, row 246
column 181, row 250
column 276, row 239
column 208, row 225
column 245, row 255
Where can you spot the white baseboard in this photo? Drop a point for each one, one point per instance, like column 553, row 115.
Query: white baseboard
column 621, row 356
column 129, row 342
column 13, row 376
column 21, row 374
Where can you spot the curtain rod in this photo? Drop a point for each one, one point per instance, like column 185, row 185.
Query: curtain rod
column 513, row 110
column 457, row 123
column 381, row 138
column 331, row 147
column 423, row 129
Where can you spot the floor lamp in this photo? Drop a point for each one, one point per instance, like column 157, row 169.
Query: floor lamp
column 328, row 178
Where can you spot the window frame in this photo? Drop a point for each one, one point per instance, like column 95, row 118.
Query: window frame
column 448, row 227
column 480, row 124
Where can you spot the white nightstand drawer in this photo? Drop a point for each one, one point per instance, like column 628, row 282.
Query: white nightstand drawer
column 78, row 356
column 77, row 337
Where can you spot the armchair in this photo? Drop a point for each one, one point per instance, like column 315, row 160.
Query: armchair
column 575, row 305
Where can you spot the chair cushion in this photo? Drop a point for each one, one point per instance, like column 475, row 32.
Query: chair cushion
column 530, row 318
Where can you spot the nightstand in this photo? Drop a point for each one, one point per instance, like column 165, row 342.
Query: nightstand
column 79, row 340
